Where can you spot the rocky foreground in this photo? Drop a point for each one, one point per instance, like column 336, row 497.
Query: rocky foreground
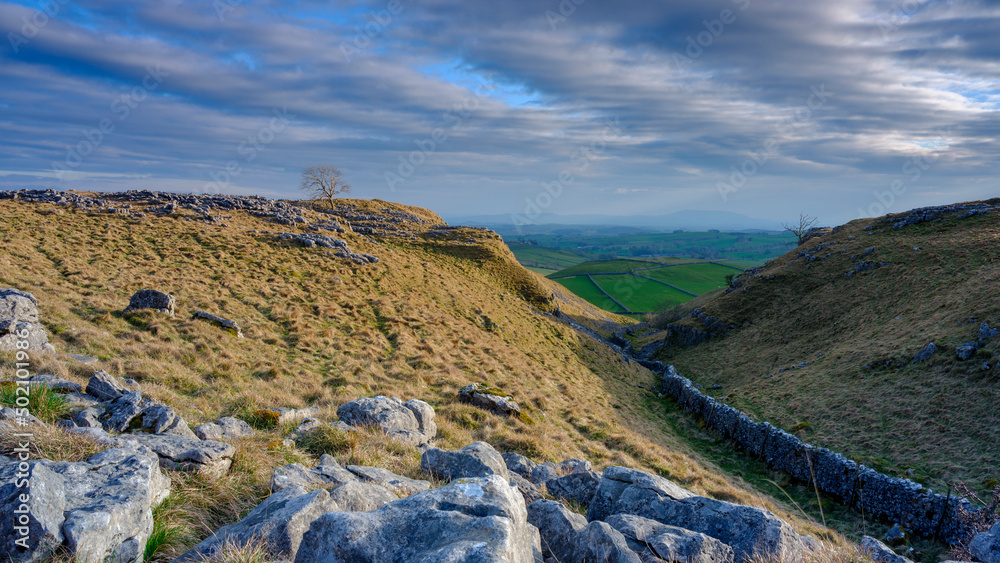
column 477, row 505
column 489, row 507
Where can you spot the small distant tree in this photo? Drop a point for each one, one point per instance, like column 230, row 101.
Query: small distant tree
column 323, row 181
column 801, row 228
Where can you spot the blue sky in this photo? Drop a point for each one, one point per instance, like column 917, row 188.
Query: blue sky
column 762, row 107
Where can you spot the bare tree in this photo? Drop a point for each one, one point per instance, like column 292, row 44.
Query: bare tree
column 322, row 181
column 801, row 228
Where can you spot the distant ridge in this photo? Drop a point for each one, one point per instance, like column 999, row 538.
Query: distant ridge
column 692, row 220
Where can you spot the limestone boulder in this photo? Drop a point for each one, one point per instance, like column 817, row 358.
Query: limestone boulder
column 482, row 520
column 99, row 509
column 152, row 299
column 19, row 322
column 281, row 521
column 654, row 541
column 478, row 459
column 986, row 546
column 411, row 422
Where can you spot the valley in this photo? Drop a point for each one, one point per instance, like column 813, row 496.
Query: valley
column 394, row 302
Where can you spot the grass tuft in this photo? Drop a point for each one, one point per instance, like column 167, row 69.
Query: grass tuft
column 43, row 403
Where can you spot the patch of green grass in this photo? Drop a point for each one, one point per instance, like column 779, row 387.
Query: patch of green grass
column 640, row 294
column 166, row 531
column 581, row 286
column 696, row 278
column 41, row 402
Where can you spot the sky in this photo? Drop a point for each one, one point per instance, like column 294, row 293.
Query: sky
column 763, row 107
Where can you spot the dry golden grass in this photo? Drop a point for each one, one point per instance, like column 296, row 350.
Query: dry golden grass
column 431, row 317
column 935, row 422
column 49, row 442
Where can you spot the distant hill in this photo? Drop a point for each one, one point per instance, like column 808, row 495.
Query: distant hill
column 826, row 336
column 694, row 220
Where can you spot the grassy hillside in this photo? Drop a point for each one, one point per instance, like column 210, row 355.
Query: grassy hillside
column 436, row 313
column 856, row 331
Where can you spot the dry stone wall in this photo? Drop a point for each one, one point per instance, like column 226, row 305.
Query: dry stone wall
column 891, row 499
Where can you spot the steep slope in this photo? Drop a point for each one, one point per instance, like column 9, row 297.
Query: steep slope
column 824, row 339
column 442, row 308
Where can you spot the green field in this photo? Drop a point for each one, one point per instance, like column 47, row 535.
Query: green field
column 696, row 278
column 534, row 256
column 542, row 271
column 623, row 279
column 641, row 295
column 581, row 286
column 604, row 266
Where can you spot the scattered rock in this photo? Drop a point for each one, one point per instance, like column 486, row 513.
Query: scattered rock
column 227, row 324
column 226, row 428
column 600, row 542
column 543, row 473
column 480, row 519
column 751, row 532
column 285, row 415
column 986, row 333
column 56, row 384
column 105, row 387
column 401, row 486
column 89, row 417
column 187, row 454
column 311, row 240
column 896, row 536
column 79, row 401
column 18, row 318
column 925, row 353
column 986, row 546
column 333, row 471
column 655, row 541
column 411, row 422
column 81, row 359
column 568, row 538
column 100, row 509
column 519, row 464
column 12, row 417
column 879, row 552
column 558, row 527
column 577, row 487
column 621, row 488
column 295, row 475
column 152, row 299
column 307, row 426
column 281, row 520
column 356, row 496
column 478, row 459
column 120, row 413
column 328, row 474
column 965, row 351
column 569, row 466
column 485, row 397
column 161, row 419
column 528, row 491
column 208, row 431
